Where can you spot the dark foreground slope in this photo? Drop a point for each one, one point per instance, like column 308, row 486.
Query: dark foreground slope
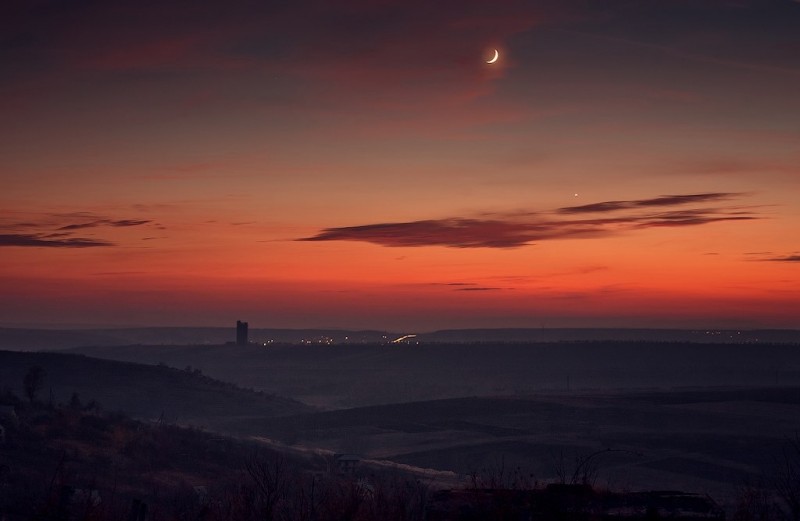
column 356, row 375
column 141, row 391
column 63, row 463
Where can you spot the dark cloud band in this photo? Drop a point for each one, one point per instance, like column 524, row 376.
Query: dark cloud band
column 515, row 230
column 787, row 258
column 52, row 231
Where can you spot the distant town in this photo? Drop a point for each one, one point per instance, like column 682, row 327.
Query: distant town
column 243, row 335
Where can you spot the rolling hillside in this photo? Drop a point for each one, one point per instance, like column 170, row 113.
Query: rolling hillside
column 712, row 441
column 141, row 391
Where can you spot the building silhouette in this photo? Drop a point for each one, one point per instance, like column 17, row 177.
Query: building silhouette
column 241, row 333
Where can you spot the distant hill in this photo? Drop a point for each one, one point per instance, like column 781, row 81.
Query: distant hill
column 705, row 336
column 356, row 375
column 142, row 391
column 19, row 339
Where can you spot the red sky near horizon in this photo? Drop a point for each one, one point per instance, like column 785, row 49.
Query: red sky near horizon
column 359, row 164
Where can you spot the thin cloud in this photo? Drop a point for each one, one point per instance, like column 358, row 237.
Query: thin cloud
column 479, row 289
column 128, row 222
column 118, row 273
column 81, row 226
column 519, row 229
column 122, row 223
column 788, row 258
column 32, row 240
column 447, row 284
column 664, row 200
column 694, row 217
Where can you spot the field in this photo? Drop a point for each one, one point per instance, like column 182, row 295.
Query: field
column 713, row 442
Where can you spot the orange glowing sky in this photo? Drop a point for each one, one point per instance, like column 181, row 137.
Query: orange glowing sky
column 359, row 164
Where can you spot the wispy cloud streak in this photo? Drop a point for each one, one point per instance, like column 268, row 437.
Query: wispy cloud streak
column 33, row 240
column 787, row 258
column 664, row 200
column 105, row 222
column 51, row 231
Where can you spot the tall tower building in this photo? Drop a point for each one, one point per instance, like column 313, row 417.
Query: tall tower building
column 241, row 333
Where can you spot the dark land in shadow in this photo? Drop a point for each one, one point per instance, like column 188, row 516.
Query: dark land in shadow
column 704, row 418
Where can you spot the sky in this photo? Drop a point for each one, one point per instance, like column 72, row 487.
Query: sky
column 359, row 164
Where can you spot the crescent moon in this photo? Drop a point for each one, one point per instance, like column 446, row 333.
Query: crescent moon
column 496, row 56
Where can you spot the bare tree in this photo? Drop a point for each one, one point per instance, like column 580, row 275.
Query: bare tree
column 270, row 476
column 787, row 482
column 586, row 467
column 754, row 503
column 33, row 382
